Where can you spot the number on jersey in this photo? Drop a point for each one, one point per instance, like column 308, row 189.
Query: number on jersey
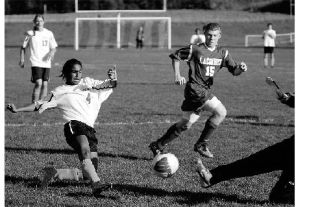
column 210, row 71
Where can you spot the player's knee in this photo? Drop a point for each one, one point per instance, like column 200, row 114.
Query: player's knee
column 184, row 125
column 38, row 83
column 217, row 118
column 85, row 152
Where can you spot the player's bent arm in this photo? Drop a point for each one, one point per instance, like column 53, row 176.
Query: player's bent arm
column 178, row 79
column 22, row 53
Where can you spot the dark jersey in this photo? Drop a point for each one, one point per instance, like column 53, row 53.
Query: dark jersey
column 203, row 65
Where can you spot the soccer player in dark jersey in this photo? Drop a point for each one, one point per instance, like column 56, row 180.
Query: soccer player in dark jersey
column 204, row 61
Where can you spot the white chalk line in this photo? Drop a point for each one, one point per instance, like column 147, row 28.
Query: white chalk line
column 243, row 121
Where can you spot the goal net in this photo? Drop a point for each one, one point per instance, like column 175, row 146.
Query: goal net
column 121, row 32
column 286, row 39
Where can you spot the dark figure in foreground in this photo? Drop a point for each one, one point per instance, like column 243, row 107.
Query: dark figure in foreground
column 279, row 156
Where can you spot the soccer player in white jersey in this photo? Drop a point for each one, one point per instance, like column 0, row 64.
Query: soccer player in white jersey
column 42, row 45
column 197, row 38
column 269, row 37
column 79, row 101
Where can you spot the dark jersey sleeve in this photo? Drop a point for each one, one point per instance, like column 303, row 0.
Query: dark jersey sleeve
column 228, row 62
column 183, row 54
column 289, row 100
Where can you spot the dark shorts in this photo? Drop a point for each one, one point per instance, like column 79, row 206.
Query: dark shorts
column 39, row 73
column 195, row 96
column 268, row 49
column 75, row 128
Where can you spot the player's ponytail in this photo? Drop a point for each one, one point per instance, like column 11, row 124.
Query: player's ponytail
column 34, row 21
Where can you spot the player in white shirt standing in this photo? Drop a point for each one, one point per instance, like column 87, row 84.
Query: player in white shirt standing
column 79, row 101
column 42, row 45
column 197, row 38
column 269, row 37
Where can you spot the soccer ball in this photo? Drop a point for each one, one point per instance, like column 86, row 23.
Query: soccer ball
column 165, row 165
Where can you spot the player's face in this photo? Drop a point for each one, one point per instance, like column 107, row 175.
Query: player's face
column 38, row 23
column 75, row 75
column 212, row 37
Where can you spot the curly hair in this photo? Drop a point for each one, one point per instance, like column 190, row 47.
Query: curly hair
column 67, row 67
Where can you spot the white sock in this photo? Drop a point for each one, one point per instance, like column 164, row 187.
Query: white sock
column 88, row 169
column 69, row 174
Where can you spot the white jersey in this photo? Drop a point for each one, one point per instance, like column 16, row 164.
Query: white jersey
column 269, row 37
column 40, row 44
column 197, row 39
column 80, row 102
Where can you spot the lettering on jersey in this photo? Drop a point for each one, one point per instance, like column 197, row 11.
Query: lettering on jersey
column 210, row 61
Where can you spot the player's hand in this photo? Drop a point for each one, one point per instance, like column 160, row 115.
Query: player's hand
column 112, row 73
column 179, row 80
column 243, row 67
column 12, row 108
column 21, row 63
column 281, row 95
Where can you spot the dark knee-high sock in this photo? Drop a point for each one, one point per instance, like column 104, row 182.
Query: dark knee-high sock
column 95, row 162
column 279, row 156
column 172, row 133
column 207, row 132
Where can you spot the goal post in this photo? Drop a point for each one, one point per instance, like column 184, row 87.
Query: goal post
column 255, row 40
column 121, row 31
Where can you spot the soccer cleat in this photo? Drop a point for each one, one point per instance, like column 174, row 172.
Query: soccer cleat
column 203, row 150
column 98, row 187
column 204, row 174
column 48, row 174
column 283, row 193
column 154, row 147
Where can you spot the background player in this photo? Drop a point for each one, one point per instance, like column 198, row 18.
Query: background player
column 269, row 37
column 80, row 100
column 204, row 61
column 279, row 156
column 197, row 38
column 42, row 46
column 140, row 38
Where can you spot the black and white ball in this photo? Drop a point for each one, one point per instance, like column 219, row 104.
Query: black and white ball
column 165, row 165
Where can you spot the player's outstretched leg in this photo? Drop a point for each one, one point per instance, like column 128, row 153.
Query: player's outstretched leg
column 173, row 132
column 204, row 174
column 283, row 191
column 219, row 112
column 88, row 169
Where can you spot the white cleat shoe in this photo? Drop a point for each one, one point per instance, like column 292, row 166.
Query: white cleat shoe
column 204, row 174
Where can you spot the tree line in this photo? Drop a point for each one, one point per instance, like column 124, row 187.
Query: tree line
column 67, row 6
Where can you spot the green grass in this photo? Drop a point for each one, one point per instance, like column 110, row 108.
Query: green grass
column 146, row 95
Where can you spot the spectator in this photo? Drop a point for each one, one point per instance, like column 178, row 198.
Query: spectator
column 197, row 38
column 269, row 36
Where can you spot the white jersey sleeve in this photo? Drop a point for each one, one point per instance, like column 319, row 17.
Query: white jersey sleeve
column 27, row 38
column 52, row 41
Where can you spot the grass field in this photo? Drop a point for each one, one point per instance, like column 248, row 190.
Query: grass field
column 138, row 112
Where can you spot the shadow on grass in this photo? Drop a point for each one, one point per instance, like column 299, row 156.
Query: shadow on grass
column 70, row 151
column 35, row 182
column 254, row 120
column 183, row 197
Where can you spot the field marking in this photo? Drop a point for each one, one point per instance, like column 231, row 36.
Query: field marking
column 233, row 120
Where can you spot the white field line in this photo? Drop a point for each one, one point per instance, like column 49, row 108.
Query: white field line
column 264, row 121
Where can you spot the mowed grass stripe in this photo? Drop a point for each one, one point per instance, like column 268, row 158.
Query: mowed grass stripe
column 232, row 120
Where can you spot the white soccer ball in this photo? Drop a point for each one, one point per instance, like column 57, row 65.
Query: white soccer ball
column 165, row 165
